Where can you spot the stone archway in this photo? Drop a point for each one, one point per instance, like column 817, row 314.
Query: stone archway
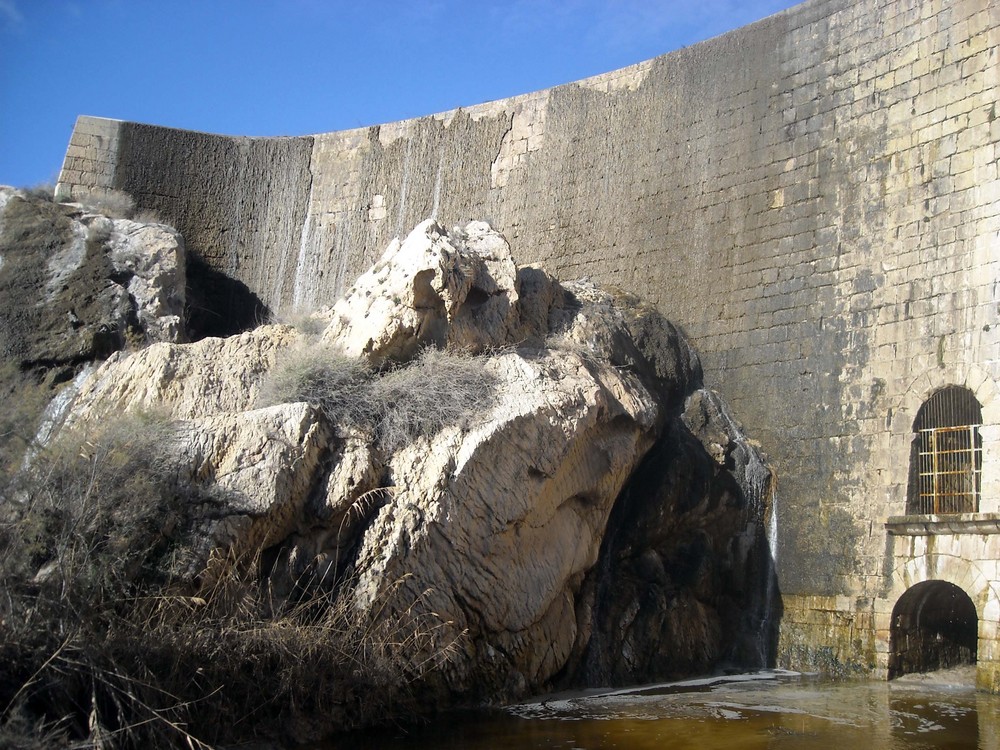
column 934, row 626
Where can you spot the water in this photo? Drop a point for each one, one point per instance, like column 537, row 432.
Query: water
column 769, row 711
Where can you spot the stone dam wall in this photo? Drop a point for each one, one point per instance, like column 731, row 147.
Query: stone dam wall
column 813, row 197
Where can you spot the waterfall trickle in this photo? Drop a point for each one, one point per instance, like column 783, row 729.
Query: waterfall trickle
column 771, row 578
column 709, row 418
column 758, row 485
column 772, row 527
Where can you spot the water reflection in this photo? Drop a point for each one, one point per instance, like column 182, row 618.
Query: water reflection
column 772, row 711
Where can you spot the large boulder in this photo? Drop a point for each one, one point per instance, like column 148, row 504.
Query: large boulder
column 185, row 381
column 494, row 529
column 262, row 465
column 597, row 509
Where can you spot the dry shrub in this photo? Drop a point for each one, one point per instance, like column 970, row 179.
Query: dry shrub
column 146, row 216
column 44, row 191
column 325, row 377
column 24, row 400
column 96, row 503
column 100, row 645
column 312, row 667
column 19, row 731
column 435, row 390
column 112, row 203
column 86, row 530
column 418, row 399
column 309, row 321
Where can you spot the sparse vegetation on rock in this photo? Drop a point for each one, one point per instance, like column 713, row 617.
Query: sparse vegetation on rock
column 101, row 638
column 286, row 532
column 395, row 406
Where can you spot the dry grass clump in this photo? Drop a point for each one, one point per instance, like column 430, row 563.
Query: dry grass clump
column 94, row 504
column 86, row 530
column 310, row 321
column 325, row 377
column 103, row 645
column 24, row 400
column 396, row 406
column 435, row 390
column 112, row 203
column 44, row 191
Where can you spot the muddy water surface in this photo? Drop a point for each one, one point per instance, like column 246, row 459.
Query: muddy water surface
column 772, row 711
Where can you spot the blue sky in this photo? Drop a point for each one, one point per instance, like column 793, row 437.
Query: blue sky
column 294, row 67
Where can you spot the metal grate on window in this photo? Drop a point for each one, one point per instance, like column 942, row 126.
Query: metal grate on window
column 948, row 453
column 950, row 469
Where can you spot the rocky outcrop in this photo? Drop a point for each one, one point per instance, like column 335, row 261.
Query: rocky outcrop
column 686, row 581
column 436, row 290
column 595, row 509
column 76, row 286
column 495, row 529
column 186, row 381
column 263, row 464
column 148, row 259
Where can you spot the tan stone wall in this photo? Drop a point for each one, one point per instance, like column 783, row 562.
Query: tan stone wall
column 966, row 558
column 835, row 634
column 91, row 158
column 814, row 198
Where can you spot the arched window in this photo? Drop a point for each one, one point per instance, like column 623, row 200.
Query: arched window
column 946, row 458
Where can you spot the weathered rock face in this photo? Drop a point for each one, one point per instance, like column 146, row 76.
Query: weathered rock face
column 186, row 381
column 686, row 581
column 74, row 286
column 436, row 290
column 495, row 529
column 264, row 463
column 511, row 528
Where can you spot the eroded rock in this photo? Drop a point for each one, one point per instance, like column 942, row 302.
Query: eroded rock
column 494, row 529
column 149, row 260
column 459, row 291
column 262, row 464
column 77, row 286
column 575, row 530
column 186, row 381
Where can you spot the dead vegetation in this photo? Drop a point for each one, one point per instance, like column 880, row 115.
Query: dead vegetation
column 102, row 645
column 396, row 406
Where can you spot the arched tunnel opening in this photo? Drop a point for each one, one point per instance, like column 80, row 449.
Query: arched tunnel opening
column 934, row 626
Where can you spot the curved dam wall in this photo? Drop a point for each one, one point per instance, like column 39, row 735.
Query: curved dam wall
column 814, row 198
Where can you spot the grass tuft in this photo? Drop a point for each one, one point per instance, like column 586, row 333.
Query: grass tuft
column 396, row 406
column 44, row 191
column 111, row 203
column 103, row 644
column 324, row 377
column 435, row 390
